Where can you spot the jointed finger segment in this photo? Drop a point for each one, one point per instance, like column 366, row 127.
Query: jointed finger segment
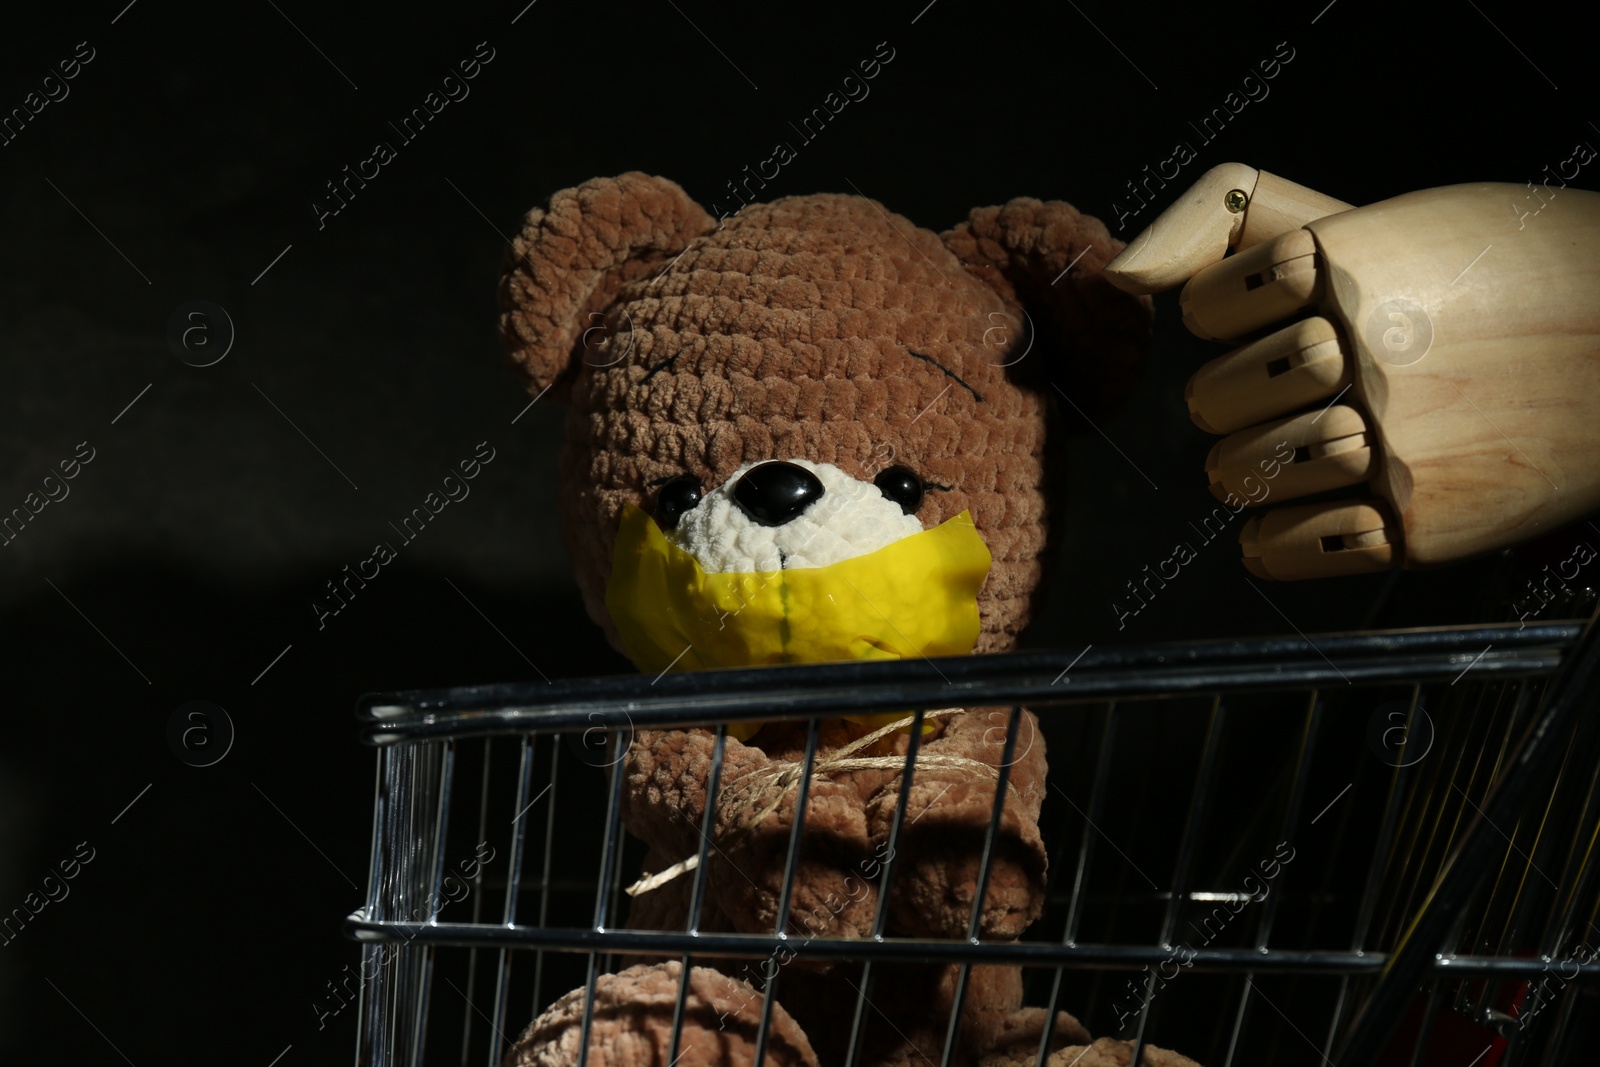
column 1253, row 289
column 1323, row 540
column 1311, row 453
column 1283, row 372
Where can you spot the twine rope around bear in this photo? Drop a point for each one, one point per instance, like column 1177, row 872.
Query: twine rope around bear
column 765, row 790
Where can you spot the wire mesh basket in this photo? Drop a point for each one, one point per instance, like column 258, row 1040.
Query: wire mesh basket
column 1364, row 848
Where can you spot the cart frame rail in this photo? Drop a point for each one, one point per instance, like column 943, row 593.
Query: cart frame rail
column 1521, row 747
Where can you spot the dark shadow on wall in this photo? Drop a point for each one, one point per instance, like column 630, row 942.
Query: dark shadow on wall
column 211, row 899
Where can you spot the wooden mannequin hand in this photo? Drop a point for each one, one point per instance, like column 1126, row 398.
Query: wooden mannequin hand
column 1451, row 363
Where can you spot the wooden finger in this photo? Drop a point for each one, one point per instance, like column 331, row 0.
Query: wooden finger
column 1299, row 365
column 1291, row 458
column 1231, row 207
column 1254, row 289
column 1192, row 234
column 1323, row 540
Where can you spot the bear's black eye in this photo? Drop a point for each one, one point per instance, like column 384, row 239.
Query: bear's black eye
column 676, row 497
column 901, row 485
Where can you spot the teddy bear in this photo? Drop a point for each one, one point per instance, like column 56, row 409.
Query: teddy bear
column 812, row 431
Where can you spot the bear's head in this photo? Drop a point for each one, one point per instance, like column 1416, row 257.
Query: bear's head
column 813, row 381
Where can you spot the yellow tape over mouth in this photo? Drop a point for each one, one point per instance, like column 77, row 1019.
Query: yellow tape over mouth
column 915, row 597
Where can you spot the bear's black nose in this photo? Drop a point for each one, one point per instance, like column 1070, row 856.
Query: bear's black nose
column 774, row 493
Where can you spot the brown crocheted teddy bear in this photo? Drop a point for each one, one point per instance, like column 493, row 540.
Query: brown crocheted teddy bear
column 814, row 431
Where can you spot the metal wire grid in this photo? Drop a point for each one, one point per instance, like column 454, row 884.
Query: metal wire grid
column 1466, row 902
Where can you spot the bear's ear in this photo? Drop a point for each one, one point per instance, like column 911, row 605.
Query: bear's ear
column 1045, row 258
column 572, row 258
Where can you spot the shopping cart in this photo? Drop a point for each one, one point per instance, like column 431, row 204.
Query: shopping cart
column 1427, row 800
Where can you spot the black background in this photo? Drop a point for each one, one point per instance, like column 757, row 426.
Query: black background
column 186, row 557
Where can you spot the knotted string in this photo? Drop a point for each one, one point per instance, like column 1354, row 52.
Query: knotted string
column 775, row 781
